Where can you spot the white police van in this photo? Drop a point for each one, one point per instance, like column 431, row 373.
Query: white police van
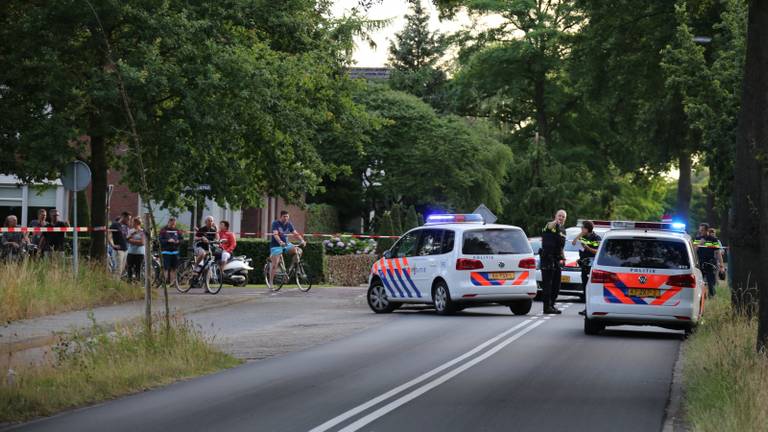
column 645, row 273
column 454, row 262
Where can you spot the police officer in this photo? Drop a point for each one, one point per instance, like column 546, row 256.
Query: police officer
column 551, row 257
column 711, row 260
column 589, row 244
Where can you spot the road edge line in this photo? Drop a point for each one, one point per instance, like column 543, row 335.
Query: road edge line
column 673, row 411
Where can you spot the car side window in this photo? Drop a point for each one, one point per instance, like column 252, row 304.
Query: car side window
column 448, row 241
column 406, row 246
column 431, row 242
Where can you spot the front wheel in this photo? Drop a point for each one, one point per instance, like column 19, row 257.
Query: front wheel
column 217, row 279
column 184, row 275
column 442, row 299
column 303, row 277
column 521, row 307
column 593, row 327
column 378, row 300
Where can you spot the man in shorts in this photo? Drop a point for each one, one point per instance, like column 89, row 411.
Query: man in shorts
column 170, row 239
column 281, row 229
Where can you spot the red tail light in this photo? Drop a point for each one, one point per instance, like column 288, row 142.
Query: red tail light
column 468, row 264
column 603, row 277
column 683, row 281
column 527, row 263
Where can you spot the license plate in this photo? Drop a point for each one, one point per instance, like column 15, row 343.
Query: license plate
column 501, row 276
column 644, row 292
column 566, row 279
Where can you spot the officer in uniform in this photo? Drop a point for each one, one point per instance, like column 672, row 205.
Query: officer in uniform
column 551, row 257
column 589, row 244
column 708, row 249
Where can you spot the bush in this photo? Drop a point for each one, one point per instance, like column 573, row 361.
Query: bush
column 349, row 270
column 384, row 244
column 258, row 251
column 322, row 218
column 349, row 246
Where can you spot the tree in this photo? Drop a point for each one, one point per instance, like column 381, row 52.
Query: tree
column 176, row 94
column 415, row 56
column 749, row 258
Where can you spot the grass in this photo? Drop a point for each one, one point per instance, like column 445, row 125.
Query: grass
column 43, row 287
column 725, row 379
column 106, row 365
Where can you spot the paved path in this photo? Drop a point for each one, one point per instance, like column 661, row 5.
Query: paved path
column 481, row 370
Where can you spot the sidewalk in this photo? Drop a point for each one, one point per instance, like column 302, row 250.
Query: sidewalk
column 26, row 341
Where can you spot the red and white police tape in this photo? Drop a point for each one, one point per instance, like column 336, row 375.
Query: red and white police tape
column 242, row 234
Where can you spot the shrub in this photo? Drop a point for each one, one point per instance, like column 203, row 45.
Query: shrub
column 349, row 270
column 384, row 244
column 322, row 218
column 258, row 251
column 349, row 246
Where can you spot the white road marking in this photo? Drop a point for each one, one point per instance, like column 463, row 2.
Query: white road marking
column 375, row 401
column 427, row 387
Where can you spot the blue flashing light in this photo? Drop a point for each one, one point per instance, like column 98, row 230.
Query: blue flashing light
column 678, row 226
column 453, row 218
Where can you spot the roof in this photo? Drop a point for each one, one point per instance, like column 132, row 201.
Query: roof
column 650, row 233
column 466, row 226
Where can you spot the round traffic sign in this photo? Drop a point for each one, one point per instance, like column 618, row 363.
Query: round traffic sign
column 76, row 176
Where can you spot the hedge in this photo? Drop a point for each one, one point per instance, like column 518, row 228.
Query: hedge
column 322, row 218
column 349, row 270
column 258, row 251
column 384, row 244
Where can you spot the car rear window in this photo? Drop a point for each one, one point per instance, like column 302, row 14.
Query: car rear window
column 495, row 241
column 644, row 253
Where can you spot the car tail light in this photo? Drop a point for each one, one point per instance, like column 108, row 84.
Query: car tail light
column 683, row 281
column 603, row 277
column 527, row 263
column 468, row 264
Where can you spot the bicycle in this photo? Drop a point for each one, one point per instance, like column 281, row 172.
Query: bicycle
column 209, row 277
column 297, row 271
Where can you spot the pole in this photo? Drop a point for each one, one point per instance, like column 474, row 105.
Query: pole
column 75, row 257
column 147, row 276
column 110, row 189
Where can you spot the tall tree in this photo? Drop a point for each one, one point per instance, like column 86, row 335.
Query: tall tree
column 415, row 56
column 749, row 258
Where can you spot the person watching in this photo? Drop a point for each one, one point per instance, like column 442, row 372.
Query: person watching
column 37, row 239
column 13, row 242
column 54, row 241
column 117, row 237
column 170, row 239
column 203, row 238
column 590, row 241
column 228, row 243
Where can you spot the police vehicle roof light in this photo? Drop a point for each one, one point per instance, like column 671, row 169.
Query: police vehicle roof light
column 678, row 226
column 453, row 218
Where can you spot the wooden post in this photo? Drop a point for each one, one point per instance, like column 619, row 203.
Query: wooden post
column 147, row 276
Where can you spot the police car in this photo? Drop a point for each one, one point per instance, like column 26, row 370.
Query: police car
column 645, row 273
column 454, row 262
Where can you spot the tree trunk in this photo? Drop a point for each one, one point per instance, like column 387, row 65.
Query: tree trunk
column 746, row 235
column 684, row 188
column 713, row 218
column 753, row 143
column 98, row 195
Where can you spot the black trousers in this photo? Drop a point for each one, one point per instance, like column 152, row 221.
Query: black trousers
column 550, row 289
column 585, row 279
column 133, row 263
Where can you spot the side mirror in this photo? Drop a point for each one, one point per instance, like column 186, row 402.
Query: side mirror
column 387, row 254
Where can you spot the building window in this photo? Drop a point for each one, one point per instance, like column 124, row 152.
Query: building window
column 11, row 202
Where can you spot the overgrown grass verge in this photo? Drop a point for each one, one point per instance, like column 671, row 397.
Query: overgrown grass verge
column 43, row 287
column 725, row 380
column 106, row 365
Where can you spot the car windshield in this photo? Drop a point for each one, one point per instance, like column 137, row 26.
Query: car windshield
column 495, row 241
column 644, row 253
column 535, row 245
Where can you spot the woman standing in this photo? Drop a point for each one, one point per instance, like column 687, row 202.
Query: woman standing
column 135, row 259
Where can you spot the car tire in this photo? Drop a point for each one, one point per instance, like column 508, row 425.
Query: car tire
column 539, row 292
column 689, row 330
column 441, row 298
column 521, row 307
column 378, row 300
column 593, row 327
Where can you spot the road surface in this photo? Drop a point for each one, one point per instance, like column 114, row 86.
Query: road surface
column 481, row 370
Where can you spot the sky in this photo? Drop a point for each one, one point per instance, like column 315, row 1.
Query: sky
column 394, row 10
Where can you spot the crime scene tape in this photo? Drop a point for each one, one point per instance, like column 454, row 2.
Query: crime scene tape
column 242, row 234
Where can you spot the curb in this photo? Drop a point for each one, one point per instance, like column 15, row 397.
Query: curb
column 10, row 348
column 674, row 420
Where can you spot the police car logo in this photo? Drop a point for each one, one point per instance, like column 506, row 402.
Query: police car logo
column 501, row 265
column 642, row 279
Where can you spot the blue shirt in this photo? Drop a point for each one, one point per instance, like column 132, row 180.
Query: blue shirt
column 283, row 229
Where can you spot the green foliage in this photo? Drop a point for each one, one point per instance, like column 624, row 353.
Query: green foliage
column 346, row 245
column 414, row 56
column 322, row 218
column 411, row 219
column 258, row 250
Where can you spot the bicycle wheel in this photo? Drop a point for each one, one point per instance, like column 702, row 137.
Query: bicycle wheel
column 206, row 275
column 303, row 277
column 217, row 279
column 282, row 274
column 184, row 276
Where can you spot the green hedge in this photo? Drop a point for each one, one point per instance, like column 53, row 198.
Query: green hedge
column 322, row 218
column 258, row 251
column 383, row 244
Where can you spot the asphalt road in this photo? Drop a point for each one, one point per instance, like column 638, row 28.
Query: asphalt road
column 481, row 370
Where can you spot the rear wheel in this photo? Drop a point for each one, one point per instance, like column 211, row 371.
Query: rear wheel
column 184, row 276
column 206, row 275
column 378, row 300
column 593, row 327
column 521, row 307
column 217, row 279
column 442, row 299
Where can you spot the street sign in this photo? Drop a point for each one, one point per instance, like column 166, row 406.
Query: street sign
column 486, row 213
column 199, row 188
column 76, row 176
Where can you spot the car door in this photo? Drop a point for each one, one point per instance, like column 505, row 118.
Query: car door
column 425, row 264
column 397, row 271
